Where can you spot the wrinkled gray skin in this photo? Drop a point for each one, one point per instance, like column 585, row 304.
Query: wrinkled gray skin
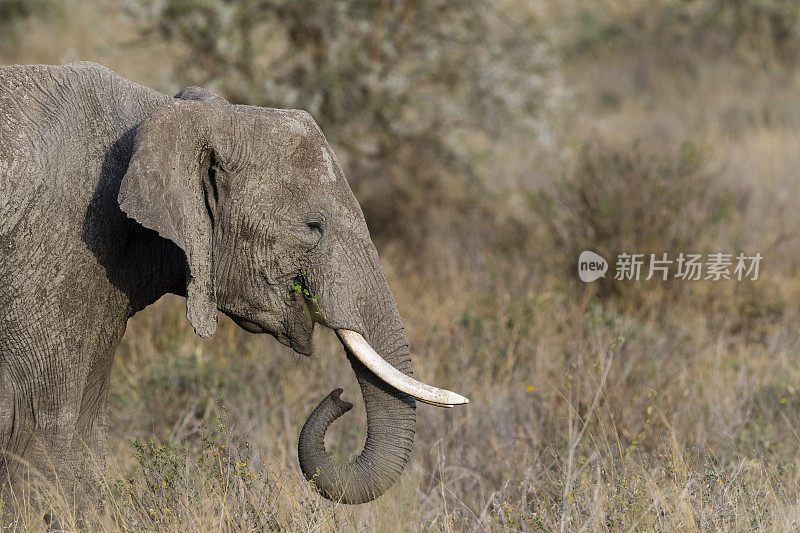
column 113, row 194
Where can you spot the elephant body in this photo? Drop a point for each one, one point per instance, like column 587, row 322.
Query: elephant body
column 112, row 195
column 73, row 267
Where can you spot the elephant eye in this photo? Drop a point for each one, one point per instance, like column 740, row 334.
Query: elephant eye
column 315, row 222
column 310, row 231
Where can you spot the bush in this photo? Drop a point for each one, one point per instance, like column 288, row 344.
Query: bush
column 13, row 12
column 646, row 198
column 758, row 32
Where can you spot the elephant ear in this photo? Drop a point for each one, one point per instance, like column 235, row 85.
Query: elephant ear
column 167, row 188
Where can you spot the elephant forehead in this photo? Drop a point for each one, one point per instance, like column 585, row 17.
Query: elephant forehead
column 281, row 191
column 293, row 145
column 288, row 133
column 313, row 162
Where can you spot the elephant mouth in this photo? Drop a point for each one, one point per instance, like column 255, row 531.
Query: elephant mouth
column 294, row 327
column 366, row 354
column 247, row 325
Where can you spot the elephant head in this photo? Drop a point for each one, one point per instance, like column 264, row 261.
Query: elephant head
column 275, row 239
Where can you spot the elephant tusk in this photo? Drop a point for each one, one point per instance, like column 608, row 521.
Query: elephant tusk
column 359, row 346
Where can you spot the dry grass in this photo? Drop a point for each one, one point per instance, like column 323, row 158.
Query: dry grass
column 627, row 408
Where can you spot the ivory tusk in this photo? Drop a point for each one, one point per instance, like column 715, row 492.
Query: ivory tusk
column 359, row 346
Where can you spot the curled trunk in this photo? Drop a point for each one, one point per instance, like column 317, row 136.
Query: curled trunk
column 391, row 425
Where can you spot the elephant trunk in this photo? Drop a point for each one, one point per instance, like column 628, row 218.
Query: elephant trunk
column 391, row 421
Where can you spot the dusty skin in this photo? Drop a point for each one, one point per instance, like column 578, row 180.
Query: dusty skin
column 112, row 195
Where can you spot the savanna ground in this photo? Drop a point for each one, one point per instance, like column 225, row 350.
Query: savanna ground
column 489, row 144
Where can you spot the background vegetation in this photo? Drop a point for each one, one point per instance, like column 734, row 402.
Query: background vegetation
column 489, row 143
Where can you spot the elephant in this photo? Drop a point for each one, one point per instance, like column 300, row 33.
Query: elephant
column 113, row 194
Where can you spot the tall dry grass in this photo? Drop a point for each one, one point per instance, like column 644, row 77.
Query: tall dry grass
column 614, row 406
